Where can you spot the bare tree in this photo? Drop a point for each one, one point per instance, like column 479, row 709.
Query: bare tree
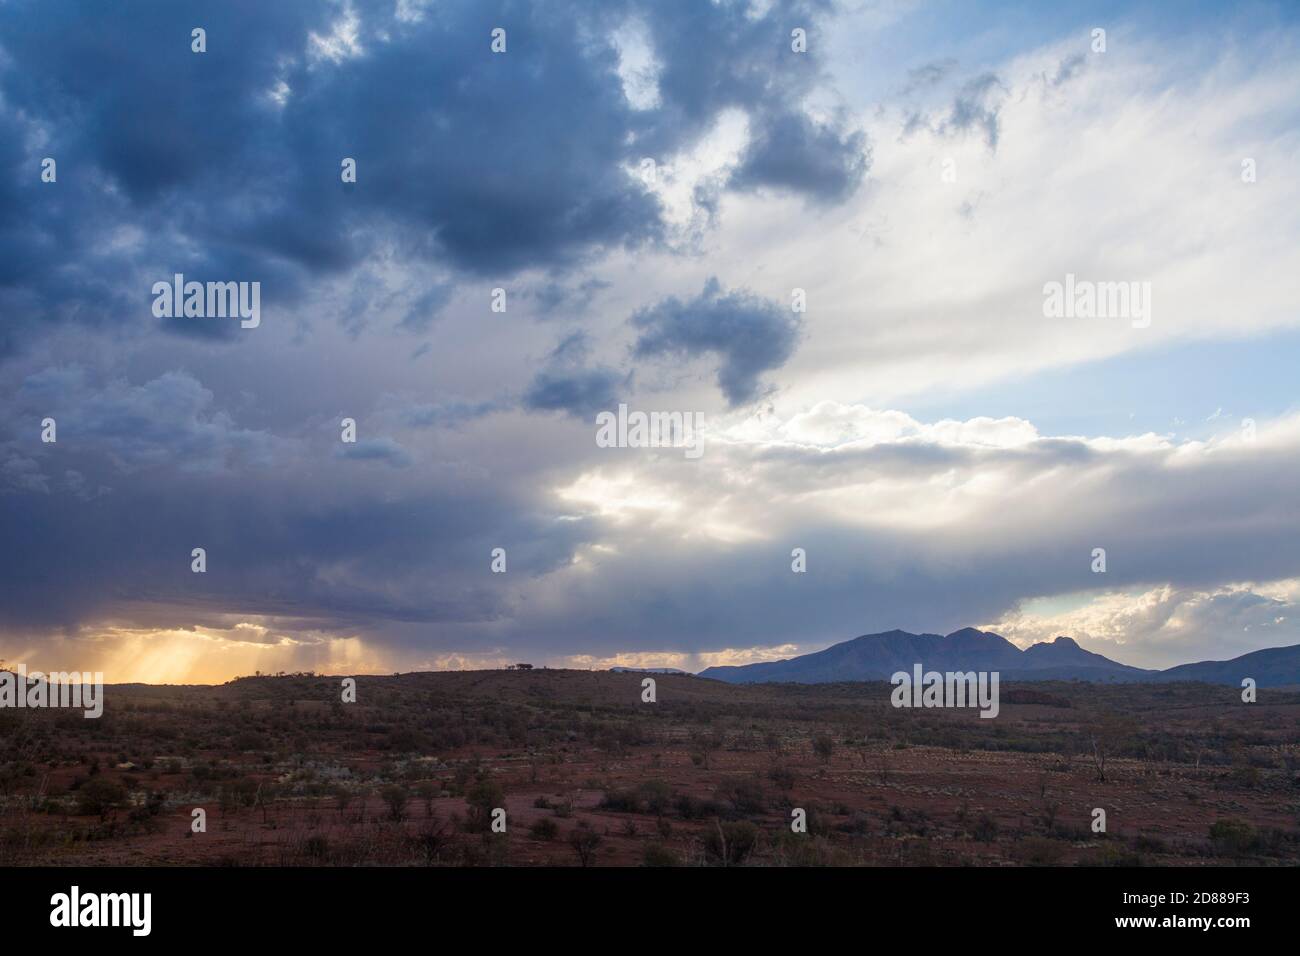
column 1106, row 734
column 584, row 843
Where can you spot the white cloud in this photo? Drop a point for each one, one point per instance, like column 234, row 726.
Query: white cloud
column 1167, row 625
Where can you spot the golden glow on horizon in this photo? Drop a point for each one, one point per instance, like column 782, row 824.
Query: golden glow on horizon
column 200, row 655
column 210, row 655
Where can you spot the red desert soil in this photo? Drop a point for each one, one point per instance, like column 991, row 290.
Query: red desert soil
column 589, row 774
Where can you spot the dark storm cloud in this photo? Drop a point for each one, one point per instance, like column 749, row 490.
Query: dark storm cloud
column 715, row 56
column 794, row 153
column 226, row 165
column 714, row 59
column 170, row 420
column 426, row 307
column 295, row 540
column 151, row 141
column 448, row 414
column 581, row 392
column 384, row 449
column 559, row 299
column 748, row 335
column 568, row 384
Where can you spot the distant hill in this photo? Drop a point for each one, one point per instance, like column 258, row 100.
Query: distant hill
column 646, row 670
column 1271, row 667
column 878, row 656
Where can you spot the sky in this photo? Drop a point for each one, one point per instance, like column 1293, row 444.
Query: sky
column 827, row 229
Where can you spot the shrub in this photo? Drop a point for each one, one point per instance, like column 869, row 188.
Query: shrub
column 621, row 801
column 656, row 796
column 584, row 843
column 746, row 796
column 1038, row 851
column 986, row 829
column 656, row 854
column 783, row 777
column 396, row 798
column 544, row 829
column 484, row 797
column 731, row 843
column 823, row 746
column 100, row 797
column 1232, row 837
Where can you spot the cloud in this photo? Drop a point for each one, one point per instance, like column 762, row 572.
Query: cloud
column 166, row 420
column 448, row 414
column 1168, row 625
column 975, row 107
column 568, row 384
column 226, row 164
column 909, row 431
column 748, row 335
column 581, row 392
column 793, row 152
column 384, row 449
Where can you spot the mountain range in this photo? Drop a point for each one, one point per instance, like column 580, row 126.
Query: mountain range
column 878, row 656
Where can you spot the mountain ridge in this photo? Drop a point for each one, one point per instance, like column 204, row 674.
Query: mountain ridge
column 878, row 656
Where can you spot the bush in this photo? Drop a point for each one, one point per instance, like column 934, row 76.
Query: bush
column 1233, row 837
column 1038, row 851
column 656, row 796
column 621, row 801
column 731, row 843
column 584, row 843
column 986, row 830
column 99, row 797
column 544, row 829
column 783, row 777
column 656, row 854
column 396, row 798
column 691, row 808
column 484, row 797
column 745, row 796
column 823, row 746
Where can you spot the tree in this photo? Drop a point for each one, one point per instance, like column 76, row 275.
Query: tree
column 584, row 843
column 267, row 793
column 427, row 791
column 484, row 797
column 1106, row 734
column 731, row 843
column 544, row 829
column 396, row 798
column 431, row 841
column 100, row 797
column 823, row 746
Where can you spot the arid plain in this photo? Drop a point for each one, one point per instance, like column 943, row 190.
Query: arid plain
column 588, row 774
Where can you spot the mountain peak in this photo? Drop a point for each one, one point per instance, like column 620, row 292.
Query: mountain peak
column 878, row 656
